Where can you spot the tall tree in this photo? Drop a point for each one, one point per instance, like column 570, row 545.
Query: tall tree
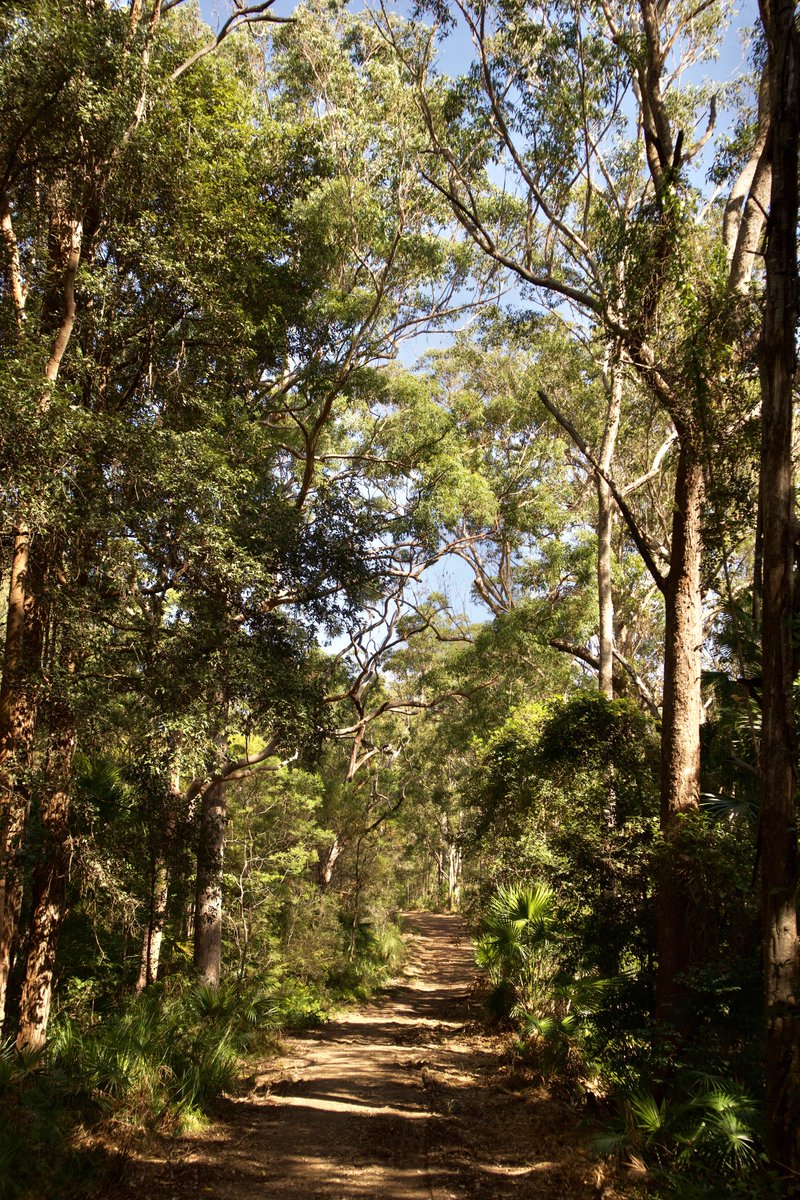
column 583, row 106
column 76, row 84
column 778, row 820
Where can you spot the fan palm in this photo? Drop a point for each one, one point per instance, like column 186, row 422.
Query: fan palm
column 516, row 944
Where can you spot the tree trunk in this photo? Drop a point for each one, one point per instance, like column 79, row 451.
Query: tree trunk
column 454, row 877
column 208, row 895
column 605, row 525
column 604, row 595
column 159, row 892
column 18, row 704
column 154, row 933
column 682, row 923
column 49, row 890
column 778, row 760
column 327, row 861
column 23, row 648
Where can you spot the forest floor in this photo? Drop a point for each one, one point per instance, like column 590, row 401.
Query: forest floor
column 406, row 1098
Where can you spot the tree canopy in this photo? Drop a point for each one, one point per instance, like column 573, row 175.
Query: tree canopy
column 299, row 321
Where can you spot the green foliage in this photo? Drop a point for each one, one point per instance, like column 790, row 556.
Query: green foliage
column 375, row 950
column 516, row 947
column 231, row 465
column 159, row 1061
column 167, row 1056
column 274, row 836
column 701, row 1140
column 524, row 945
column 41, row 1106
column 567, row 790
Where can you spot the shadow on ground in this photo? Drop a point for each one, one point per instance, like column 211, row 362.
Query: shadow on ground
column 403, row 1100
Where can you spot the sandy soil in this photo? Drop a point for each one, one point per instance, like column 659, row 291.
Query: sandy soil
column 404, row 1099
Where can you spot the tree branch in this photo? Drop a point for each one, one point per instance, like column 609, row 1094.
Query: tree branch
column 633, row 528
column 252, row 14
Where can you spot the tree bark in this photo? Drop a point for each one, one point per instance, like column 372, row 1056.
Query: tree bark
column 453, row 877
column 605, row 526
column 159, row 890
column 23, row 648
column 208, row 895
column 18, row 704
column 778, row 760
column 49, row 889
column 154, row 932
column 682, row 923
column 327, row 861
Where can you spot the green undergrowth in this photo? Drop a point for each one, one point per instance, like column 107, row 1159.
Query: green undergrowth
column 680, row 1112
column 375, row 952
column 155, row 1062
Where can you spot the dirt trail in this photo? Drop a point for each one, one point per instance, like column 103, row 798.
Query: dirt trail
column 403, row 1100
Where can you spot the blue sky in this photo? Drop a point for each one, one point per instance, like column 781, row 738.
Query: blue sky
column 456, row 58
column 453, row 576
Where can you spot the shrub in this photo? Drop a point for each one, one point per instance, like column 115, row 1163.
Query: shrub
column 701, row 1139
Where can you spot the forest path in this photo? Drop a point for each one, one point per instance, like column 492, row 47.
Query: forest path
column 404, row 1099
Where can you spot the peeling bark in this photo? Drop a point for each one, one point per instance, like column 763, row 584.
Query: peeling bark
column 327, row 861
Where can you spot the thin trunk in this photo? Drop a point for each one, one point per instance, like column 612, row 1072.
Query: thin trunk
column 327, row 861
column 454, row 877
column 13, row 268
column 208, row 895
column 605, row 525
column 441, row 875
column 154, row 933
column 159, row 891
column 49, row 890
column 682, row 923
column 778, row 824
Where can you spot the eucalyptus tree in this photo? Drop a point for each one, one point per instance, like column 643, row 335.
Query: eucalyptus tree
column 88, row 430
column 779, row 870
column 585, row 112
column 78, row 84
column 165, row 468
column 536, row 549
column 210, row 525
column 381, row 264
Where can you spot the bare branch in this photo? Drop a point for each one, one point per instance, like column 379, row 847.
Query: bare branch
column 655, row 466
column 637, row 535
column 251, row 14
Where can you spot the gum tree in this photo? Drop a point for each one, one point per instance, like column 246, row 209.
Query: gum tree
column 569, row 155
column 778, row 829
column 78, row 82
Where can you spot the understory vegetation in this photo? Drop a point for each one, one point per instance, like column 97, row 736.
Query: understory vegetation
column 397, row 452
column 115, row 1067
column 567, row 936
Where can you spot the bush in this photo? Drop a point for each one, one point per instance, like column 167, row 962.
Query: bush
column 41, row 1106
column 167, row 1057
column 374, row 951
column 702, row 1139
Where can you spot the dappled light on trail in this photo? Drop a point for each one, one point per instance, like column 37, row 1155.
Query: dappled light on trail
column 405, row 1099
